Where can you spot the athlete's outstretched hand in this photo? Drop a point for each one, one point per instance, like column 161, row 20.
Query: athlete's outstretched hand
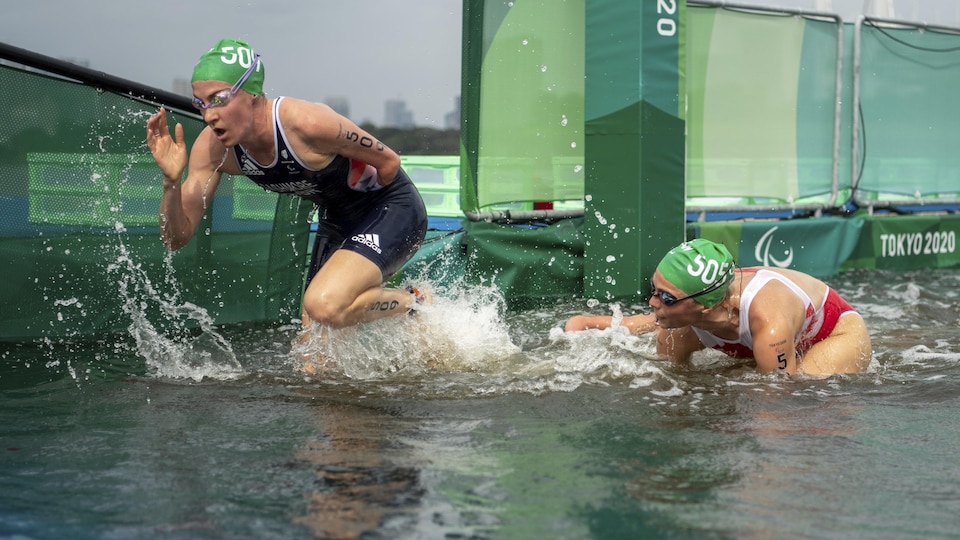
column 170, row 155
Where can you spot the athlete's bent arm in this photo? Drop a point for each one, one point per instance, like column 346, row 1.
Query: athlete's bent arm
column 636, row 324
column 774, row 348
column 678, row 344
column 182, row 204
column 324, row 131
column 775, row 330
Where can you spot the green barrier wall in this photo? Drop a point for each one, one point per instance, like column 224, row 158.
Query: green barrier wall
column 80, row 250
column 531, row 70
column 528, row 265
column 826, row 246
column 907, row 243
column 438, row 180
column 763, row 113
column 542, row 263
column 818, row 247
column 782, row 110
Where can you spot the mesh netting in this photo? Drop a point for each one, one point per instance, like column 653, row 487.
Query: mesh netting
column 80, row 252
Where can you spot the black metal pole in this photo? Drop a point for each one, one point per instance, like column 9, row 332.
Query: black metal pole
column 94, row 78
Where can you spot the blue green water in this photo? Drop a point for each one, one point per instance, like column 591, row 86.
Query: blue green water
column 472, row 421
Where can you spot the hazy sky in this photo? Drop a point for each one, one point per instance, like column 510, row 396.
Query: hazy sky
column 368, row 51
column 939, row 12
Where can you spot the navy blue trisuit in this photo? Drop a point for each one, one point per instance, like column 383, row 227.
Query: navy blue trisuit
column 385, row 224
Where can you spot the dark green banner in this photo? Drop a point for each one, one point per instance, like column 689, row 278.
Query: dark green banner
column 907, row 243
column 634, row 182
column 818, row 247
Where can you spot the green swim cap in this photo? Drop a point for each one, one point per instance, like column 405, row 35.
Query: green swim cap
column 227, row 62
column 698, row 265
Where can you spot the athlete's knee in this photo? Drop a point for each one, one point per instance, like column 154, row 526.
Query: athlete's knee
column 323, row 309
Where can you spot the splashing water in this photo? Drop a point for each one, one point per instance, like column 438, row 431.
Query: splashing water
column 593, row 356
column 463, row 344
column 464, row 332
column 183, row 355
column 177, row 339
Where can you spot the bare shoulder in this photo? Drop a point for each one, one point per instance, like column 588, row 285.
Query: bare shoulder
column 314, row 129
column 776, row 308
column 299, row 105
column 794, row 275
column 815, row 288
column 307, row 116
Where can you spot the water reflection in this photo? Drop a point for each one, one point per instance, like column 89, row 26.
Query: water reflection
column 366, row 477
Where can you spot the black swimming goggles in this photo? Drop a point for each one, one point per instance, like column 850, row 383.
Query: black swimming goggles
column 669, row 299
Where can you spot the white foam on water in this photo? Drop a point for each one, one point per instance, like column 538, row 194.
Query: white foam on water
column 597, row 357
column 467, row 344
column 921, row 355
column 461, row 333
column 462, row 343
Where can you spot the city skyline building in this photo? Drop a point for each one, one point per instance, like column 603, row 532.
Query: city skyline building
column 451, row 120
column 397, row 115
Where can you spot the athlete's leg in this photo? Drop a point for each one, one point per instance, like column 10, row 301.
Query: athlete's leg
column 349, row 290
column 846, row 350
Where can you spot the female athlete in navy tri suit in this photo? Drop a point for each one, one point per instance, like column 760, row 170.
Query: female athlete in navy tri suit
column 373, row 219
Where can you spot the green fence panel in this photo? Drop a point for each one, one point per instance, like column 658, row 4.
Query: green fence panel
column 762, row 94
column 527, row 104
column 787, row 244
column 909, row 123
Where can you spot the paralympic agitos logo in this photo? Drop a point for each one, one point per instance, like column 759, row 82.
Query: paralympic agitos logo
column 763, row 248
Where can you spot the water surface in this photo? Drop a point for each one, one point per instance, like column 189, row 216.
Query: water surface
column 471, row 421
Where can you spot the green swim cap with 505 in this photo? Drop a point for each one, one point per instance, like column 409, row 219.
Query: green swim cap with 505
column 227, row 62
column 699, row 265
